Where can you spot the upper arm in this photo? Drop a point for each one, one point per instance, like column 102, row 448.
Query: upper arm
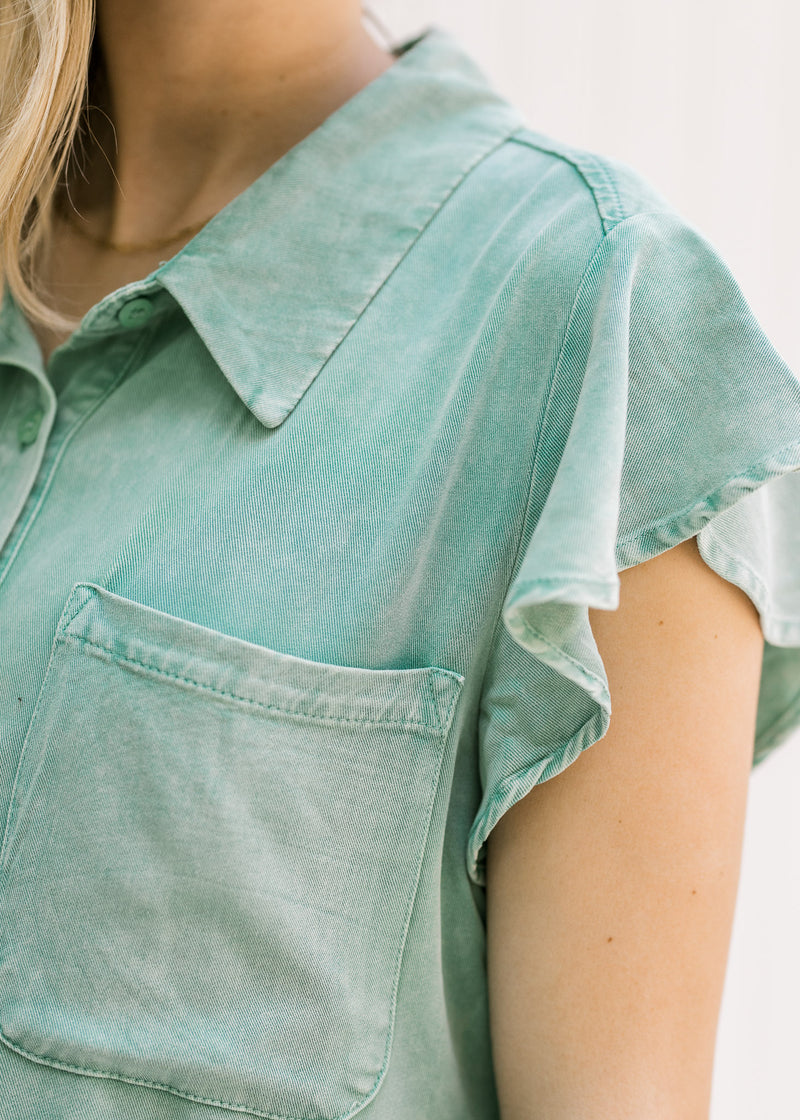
column 611, row 888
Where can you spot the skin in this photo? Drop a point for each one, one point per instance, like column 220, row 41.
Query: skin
column 204, row 97
column 611, row 888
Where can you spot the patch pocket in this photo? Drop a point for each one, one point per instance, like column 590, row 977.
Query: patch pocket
column 210, row 861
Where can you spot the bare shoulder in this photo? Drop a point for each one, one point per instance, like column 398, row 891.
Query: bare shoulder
column 611, row 887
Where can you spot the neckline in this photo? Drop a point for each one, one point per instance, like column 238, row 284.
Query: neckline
column 407, row 52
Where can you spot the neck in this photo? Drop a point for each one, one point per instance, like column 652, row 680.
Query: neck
column 204, row 96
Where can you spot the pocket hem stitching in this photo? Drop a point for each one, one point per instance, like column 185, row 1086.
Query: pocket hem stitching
column 437, row 729
column 53, row 1063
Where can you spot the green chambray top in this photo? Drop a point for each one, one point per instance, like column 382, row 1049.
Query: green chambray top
column 299, row 536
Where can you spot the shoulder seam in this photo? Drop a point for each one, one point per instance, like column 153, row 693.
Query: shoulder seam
column 499, row 624
column 584, row 167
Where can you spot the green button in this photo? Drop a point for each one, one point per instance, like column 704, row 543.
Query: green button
column 28, row 427
column 135, row 313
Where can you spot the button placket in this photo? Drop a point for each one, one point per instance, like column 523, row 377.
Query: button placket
column 66, row 414
column 21, row 458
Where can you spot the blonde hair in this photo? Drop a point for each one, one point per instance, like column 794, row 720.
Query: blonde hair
column 45, row 52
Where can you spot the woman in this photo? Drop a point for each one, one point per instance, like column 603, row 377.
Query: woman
column 367, row 457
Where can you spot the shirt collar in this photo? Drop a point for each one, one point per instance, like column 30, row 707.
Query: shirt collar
column 276, row 279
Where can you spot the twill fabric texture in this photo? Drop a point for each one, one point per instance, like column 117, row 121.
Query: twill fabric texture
column 298, row 538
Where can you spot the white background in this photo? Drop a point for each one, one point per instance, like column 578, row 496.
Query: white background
column 704, row 100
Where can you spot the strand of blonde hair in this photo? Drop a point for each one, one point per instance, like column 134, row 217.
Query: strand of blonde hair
column 45, row 48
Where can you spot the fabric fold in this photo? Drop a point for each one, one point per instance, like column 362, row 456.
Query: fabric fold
column 670, row 415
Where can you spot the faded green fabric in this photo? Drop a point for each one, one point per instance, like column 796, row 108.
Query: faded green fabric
column 299, row 536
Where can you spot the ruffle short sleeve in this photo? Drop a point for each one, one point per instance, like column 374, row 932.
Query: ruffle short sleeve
column 670, row 415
